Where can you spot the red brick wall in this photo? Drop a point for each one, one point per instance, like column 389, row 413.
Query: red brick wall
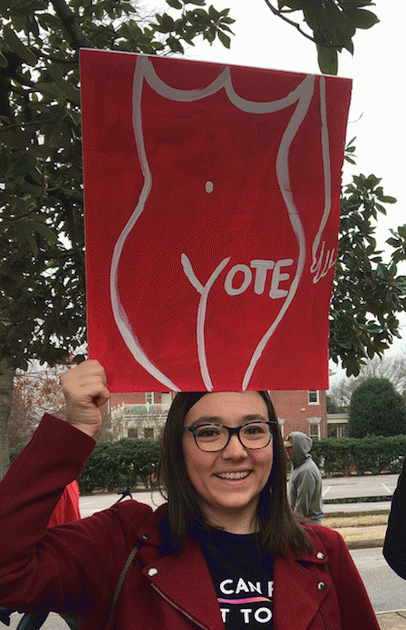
column 291, row 406
column 294, row 408
column 132, row 398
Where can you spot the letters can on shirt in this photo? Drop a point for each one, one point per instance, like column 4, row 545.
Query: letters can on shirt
column 212, row 213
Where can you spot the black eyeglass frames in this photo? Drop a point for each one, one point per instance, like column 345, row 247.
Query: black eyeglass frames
column 211, row 437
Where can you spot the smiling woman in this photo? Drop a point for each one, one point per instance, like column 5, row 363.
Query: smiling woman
column 197, row 478
column 224, row 552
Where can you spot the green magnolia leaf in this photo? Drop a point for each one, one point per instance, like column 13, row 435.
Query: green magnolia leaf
column 18, row 47
column 327, row 59
column 224, row 27
column 158, row 27
column 3, row 61
column 72, row 93
column 225, row 39
column 386, row 199
column 362, row 18
column 48, row 88
column 395, row 242
column 29, row 188
column 292, row 4
column 168, row 22
column 26, row 235
column 213, row 14
column 355, row 3
column 175, row 4
column 201, row 12
column 175, row 44
column 19, row 22
column 227, row 20
column 349, row 45
column 56, row 73
column 23, row 165
column 4, row 6
column 359, row 180
column 45, row 231
column 311, row 14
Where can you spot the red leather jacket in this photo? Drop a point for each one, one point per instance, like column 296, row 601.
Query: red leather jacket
column 77, row 565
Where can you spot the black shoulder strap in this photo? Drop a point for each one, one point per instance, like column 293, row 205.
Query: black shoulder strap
column 122, row 577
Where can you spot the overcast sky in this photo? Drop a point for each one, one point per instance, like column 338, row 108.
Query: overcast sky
column 377, row 114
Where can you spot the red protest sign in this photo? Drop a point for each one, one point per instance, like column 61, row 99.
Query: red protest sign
column 212, row 214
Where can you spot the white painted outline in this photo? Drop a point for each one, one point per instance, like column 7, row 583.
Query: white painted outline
column 317, row 267
column 302, row 95
column 201, row 312
column 120, row 316
column 282, row 174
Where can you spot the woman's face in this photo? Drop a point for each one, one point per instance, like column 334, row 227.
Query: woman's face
column 228, row 481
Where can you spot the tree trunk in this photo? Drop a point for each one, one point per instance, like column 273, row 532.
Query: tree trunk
column 6, row 392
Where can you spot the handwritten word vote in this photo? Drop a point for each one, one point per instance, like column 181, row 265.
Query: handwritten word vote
column 240, row 276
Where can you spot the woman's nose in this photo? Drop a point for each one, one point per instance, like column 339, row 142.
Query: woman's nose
column 234, row 449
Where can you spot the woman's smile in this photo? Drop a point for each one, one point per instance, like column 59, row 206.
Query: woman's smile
column 234, row 475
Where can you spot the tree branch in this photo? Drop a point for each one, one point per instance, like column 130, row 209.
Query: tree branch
column 19, row 125
column 279, row 13
column 68, row 19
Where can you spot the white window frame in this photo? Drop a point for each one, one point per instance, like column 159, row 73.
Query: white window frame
column 149, row 395
column 312, row 402
column 314, row 422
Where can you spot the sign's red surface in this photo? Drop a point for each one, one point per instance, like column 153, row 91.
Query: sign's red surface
column 212, row 214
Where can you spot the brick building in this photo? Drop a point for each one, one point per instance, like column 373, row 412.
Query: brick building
column 304, row 411
column 143, row 414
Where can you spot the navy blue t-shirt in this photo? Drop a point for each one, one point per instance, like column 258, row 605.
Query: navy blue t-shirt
column 242, row 576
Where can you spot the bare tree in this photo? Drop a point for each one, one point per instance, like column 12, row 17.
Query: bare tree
column 35, row 392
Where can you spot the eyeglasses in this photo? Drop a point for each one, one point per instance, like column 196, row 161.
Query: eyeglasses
column 214, row 437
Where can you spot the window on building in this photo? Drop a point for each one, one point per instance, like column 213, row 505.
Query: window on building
column 342, row 430
column 149, row 398
column 132, row 433
column 313, row 397
column 148, row 432
column 314, row 431
column 166, row 399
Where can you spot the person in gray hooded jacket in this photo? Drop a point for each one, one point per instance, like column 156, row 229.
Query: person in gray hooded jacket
column 305, row 485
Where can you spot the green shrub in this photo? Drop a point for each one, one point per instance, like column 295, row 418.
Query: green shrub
column 373, row 454
column 333, row 456
column 118, row 466
column 376, row 408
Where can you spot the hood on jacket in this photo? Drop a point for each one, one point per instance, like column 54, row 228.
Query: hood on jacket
column 301, row 447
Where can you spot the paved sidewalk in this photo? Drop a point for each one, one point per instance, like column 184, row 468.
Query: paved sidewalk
column 395, row 620
column 365, row 537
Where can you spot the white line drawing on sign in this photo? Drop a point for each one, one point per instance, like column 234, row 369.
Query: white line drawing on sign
column 301, row 96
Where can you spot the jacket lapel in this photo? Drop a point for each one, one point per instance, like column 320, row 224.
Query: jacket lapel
column 184, row 579
column 185, row 582
column 300, row 587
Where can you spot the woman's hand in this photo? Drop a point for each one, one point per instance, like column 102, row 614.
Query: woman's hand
column 85, row 391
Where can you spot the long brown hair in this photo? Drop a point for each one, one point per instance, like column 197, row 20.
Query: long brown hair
column 278, row 527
